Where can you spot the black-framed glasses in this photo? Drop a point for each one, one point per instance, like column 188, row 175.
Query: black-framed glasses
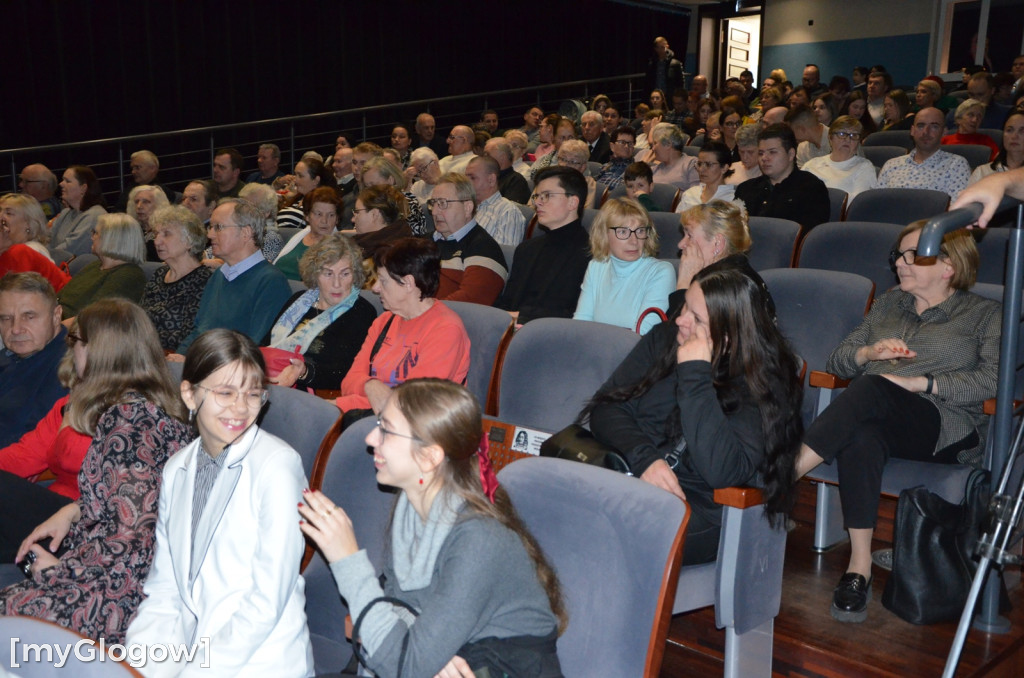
column 544, row 196
column 227, row 397
column 384, row 433
column 623, row 142
column 623, row 233
column 852, row 136
column 909, row 256
column 442, row 203
column 71, row 339
column 357, row 210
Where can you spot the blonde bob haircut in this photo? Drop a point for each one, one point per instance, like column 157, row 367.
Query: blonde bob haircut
column 388, row 170
column 721, row 217
column 619, row 212
column 29, row 208
column 120, row 238
column 958, row 248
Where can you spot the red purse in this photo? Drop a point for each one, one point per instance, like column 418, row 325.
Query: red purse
column 277, row 359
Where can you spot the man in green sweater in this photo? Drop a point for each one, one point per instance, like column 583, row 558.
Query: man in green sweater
column 246, row 293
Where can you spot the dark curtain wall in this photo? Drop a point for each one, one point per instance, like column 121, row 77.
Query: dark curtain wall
column 82, row 70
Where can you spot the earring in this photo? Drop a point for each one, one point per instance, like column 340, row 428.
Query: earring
column 421, row 480
column 191, row 415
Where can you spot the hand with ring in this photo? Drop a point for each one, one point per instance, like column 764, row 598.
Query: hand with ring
column 328, row 526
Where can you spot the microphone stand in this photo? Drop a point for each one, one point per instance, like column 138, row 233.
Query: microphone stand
column 1006, row 511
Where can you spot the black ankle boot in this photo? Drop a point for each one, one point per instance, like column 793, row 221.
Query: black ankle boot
column 850, row 598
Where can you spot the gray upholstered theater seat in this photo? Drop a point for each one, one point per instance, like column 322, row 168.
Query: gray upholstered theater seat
column 860, row 247
column 774, row 242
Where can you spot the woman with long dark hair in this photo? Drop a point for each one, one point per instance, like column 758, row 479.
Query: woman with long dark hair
column 458, row 553
column 716, row 403
column 83, row 204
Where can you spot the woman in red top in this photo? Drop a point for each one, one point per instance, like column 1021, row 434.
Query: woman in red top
column 968, row 118
column 15, row 254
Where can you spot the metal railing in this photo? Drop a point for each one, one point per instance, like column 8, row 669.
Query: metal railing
column 187, row 154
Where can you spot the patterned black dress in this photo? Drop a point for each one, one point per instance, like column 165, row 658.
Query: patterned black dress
column 173, row 306
column 96, row 587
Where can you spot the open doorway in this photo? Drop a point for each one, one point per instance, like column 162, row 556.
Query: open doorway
column 729, row 40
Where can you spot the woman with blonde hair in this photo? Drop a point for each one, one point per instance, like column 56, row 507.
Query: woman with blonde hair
column 117, row 242
column 22, row 217
column 843, row 168
column 123, row 399
column 624, row 278
column 458, row 554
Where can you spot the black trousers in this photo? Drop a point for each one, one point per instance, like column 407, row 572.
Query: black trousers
column 23, row 506
column 870, row 421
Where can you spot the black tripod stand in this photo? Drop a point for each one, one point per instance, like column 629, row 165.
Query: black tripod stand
column 1006, row 510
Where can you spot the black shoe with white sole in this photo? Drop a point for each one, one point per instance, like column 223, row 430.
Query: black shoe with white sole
column 850, row 598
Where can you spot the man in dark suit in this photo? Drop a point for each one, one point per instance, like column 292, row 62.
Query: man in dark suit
column 592, row 130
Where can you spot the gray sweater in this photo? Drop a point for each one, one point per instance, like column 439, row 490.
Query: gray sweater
column 482, row 584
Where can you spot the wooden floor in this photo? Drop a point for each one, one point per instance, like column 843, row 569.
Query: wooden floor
column 810, row 644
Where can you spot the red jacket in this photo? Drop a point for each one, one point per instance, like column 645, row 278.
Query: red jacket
column 49, row 447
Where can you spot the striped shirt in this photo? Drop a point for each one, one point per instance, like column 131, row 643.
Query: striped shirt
column 207, row 469
column 957, row 342
column 502, row 219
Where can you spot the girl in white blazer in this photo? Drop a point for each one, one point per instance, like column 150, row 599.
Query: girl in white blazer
column 227, row 569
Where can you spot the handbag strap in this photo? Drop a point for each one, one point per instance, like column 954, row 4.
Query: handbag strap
column 652, row 309
column 380, row 339
column 357, row 646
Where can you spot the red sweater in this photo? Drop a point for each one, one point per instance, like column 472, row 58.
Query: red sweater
column 49, row 447
column 972, row 140
column 22, row 259
column 435, row 344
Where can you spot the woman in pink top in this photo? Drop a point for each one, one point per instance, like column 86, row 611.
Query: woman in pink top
column 416, row 336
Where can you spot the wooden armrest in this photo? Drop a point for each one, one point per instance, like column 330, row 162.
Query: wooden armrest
column 989, row 406
column 827, row 380
column 348, row 626
column 327, row 393
column 47, row 475
column 739, row 497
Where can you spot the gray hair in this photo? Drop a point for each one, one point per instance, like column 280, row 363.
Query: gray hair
column 463, row 186
column 666, row 131
column 312, row 154
column 33, row 213
column 746, row 136
column 120, row 238
column 192, row 230
column 275, row 151
column 966, row 106
column 159, row 198
column 247, row 215
column 423, row 153
column 503, row 147
column 263, row 197
column 146, row 156
column 591, row 114
column 328, row 252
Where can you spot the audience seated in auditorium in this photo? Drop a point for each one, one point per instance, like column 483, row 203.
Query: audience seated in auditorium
column 458, row 553
column 564, row 130
column 922, row 362
column 517, row 140
column 879, row 84
column 145, row 169
column 713, row 169
column 812, row 81
column 812, row 137
column 227, row 547
column 310, row 174
column 460, row 150
column 142, row 202
column 266, row 201
column 200, row 196
column 623, row 142
column 379, row 171
column 327, row 323
column 426, row 170
column 926, row 166
column 23, row 218
column 531, row 126
column 842, row 168
column 71, row 230
column 268, row 159
column 612, row 120
column 379, row 219
column 426, row 136
column 496, row 214
column 401, row 143
column 968, row 116
column 981, row 87
column 33, row 340
column 672, row 166
column 473, row 267
column 898, row 115
column 783, row 191
column 547, row 270
column 20, row 258
column 771, row 97
column 245, row 293
column 643, row 140
column 93, row 585
column 322, row 208
column 416, row 336
column 1011, row 156
column 663, row 406
column 119, row 248
column 39, row 182
column 746, row 167
column 511, row 183
column 573, row 153
column 639, row 182
column 362, row 154
column 624, row 278
column 680, row 109
column 546, row 135
column 171, row 297
column 227, row 171
column 341, row 165
column 798, row 97
column 592, row 132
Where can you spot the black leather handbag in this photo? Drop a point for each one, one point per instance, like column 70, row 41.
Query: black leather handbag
column 576, row 443
column 932, row 558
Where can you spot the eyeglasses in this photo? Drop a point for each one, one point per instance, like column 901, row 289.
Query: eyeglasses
column 384, row 433
column 421, row 169
column 623, row 142
column 227, row 397
column 544, row 196
column 357, row 210
column 908, row 256
column 217, row 228
column 701, row 164
column 623, row 233
column 442, row 203
column 73, row 339
column 731, row 124
column 569, row 161
column 852, row 136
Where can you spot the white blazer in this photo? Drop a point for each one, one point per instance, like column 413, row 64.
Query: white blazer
column 245, row 592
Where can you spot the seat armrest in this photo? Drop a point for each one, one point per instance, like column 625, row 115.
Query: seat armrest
column 827, row 380
column 989, row 406
column 740, row 497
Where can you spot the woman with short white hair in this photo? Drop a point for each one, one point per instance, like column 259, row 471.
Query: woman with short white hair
column 672, row 166
column 117, row 243
column 142, row 202
column 968, row 116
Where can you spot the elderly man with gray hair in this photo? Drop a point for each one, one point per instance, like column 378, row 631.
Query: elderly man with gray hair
column 145, row 167
column 592, row 131
column 460, row 150
column 246, row 293
column 39, row 182
column 510, row 182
